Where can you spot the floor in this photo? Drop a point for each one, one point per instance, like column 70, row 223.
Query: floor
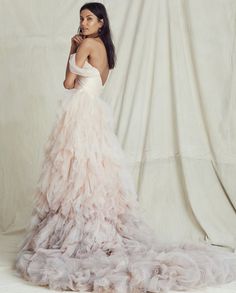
column 11, row 283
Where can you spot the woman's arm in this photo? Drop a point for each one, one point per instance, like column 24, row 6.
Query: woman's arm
column 82, row 53
column 70, row 77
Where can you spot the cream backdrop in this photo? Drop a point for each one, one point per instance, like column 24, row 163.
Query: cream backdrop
column 172, row 92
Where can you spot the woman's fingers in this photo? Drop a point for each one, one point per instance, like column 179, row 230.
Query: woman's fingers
column 79, row 38
column 76, row 40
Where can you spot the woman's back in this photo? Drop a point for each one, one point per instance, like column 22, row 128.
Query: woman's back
column 98, row 58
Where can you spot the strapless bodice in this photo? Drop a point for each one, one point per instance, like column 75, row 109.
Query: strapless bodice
column 88, row 78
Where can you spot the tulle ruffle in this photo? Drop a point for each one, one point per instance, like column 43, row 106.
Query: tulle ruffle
column 87, row 230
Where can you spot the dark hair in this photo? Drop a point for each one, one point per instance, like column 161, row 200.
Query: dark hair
column 100, row 11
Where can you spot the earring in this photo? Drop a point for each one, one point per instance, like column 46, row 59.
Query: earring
column 99, row 31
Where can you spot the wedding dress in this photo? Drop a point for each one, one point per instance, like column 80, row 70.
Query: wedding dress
column 87, row 231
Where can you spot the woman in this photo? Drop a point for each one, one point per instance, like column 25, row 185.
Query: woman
column 87, row 231
column 96, row 43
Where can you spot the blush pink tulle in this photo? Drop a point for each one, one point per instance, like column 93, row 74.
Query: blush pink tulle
column 87, row 231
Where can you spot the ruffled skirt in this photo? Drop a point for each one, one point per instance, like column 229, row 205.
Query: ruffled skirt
column 87, row 231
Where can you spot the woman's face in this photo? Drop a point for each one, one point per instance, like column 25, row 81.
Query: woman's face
column 89, row 23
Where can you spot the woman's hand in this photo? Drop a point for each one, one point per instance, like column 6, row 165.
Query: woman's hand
column 76, row 41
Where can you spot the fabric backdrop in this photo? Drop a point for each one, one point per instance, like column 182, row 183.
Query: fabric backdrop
column 172, row 92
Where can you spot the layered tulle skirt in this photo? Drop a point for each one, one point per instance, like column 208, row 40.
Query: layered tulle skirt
column 87, row 231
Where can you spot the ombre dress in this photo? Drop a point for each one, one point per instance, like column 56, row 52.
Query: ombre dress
column 87, row 231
